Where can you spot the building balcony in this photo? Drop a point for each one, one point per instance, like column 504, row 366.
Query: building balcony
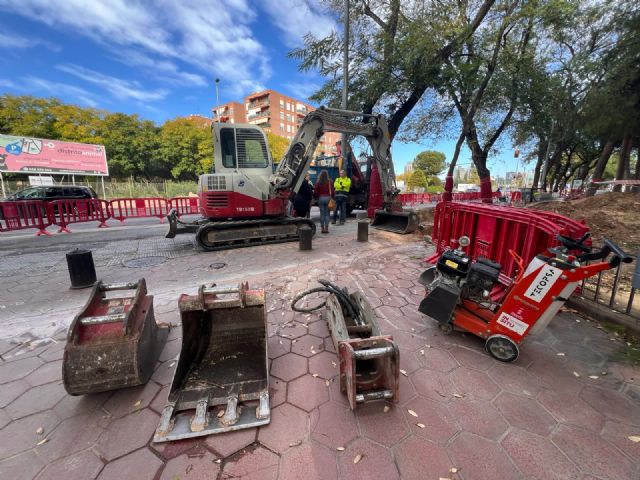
column 259, row 102
column 263, row 114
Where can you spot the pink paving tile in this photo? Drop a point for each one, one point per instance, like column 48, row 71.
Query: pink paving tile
column 410, row 342
column 614, row 405
column 10, row 391
column 79, row 466
column 171, row 351
column 288, row 367
column 515, row 380
column 479, row 417
column 289, row 425
column 407, row 391
column 433, row 385
column 277, row 392
column 141, row 465
column 537, row 457
column 333, row 425
column 472, row 358
column 618, row 434
column 129, row 400
column 191, row 467
column 20, row 435
column 593, row 454
column 169, row 450
column 437, row 359
column 308, row 461
column 396, row 301
column 253, row 464
column 4, row 419
column 480, row 459
column 307, row 345
column 71, row 406
column 163, row 373
column 328, row 345
column 569, row 408
column 376, row 462
column 307, row 392
column 439, row 423
column 293, row 331
column 226, row 444
column 160, row 400
column 36, row 399
column 49, row 372
column 474, row 383
column 71, row 436
column 411, row 457
column 319, row 329
column 127, row 434
column 525, row 413
column 16, row 369
column 24, row 467
column 278, row 346
column 385, row 428
column 325, row 364
column 335, row 394
column 555, row 373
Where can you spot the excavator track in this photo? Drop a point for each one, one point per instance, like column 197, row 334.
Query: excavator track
column 212, row 236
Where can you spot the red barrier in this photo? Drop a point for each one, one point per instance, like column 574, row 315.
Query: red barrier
column 65, row 212
column 184, row 205
column 24, row 214
column 494, row 230
column 122, row 208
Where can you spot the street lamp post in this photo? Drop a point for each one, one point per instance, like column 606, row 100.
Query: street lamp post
column 217, row 100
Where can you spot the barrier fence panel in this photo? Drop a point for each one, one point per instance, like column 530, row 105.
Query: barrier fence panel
column 24, row 214
column 66, row 212
column 123, row 208
column 184, row 205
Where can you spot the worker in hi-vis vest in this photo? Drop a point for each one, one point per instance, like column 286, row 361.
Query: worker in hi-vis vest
column 342, row 185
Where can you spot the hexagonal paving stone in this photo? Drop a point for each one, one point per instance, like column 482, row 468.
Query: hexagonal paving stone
column 537, row 457
column 614, row 405
column 474, row 383
column 254, row 464
column 129, row 400
column 71, row 406
column 569, row 408
column 187, row 467
column 525, row 413
column 16, row 369
column 618, row 434
column 307, row 346
column 411, row 455
column 160, row 400
column 36, row 399
column 328, row 345
column 71, row 436
column 472, row 358
column 480, row 459
column 171, row 351
column 4, row 419
column 24, row 467
column 10, row 391
column 325, row 364
column 307, row 392
column 409, row 362
column 168, row 450
column 385, row 428
column 407, row 391
column 127, row 434
column 228, row 443
column 333, row 425
column 278, row 346
column 581, row 353
column 277, row 392
column 410, row 341
column 163, row 374
column 21, row 434
column 515, row 380
column 319, row 329
column 79, row 466
column 49, row 372
column 479, row 417
column 439, row 423
column 394, row 301
column 289, row 366
column 335, row 394
column 437, row 359
column 293, row 331
column 593, row 454
column 433, row 385
column 375, row 463
column 289, row 425
column 309, row 461
column 141, row 465
column 555, row 373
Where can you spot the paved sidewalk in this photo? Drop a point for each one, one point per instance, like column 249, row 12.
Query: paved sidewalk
column 564, row 409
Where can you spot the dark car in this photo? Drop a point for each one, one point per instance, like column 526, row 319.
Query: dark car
column 55, row 192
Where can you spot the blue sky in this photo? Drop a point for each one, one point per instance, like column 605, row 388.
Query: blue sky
column 159, row 58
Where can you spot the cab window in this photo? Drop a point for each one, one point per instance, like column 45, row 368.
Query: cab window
column 228, row 148
column 252, row 149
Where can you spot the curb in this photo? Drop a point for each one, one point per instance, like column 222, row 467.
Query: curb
column 602, row 312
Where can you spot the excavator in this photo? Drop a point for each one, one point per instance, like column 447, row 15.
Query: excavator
column 244, row 201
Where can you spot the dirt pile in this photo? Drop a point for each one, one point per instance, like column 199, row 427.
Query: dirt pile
column 614, row 215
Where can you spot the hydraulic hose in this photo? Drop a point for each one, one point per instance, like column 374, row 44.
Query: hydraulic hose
column 343, row 297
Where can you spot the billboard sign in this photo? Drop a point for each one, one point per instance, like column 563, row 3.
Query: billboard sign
column 35, row 155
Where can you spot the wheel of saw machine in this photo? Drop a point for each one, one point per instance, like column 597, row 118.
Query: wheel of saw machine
column 446, row 328
column 502, row 348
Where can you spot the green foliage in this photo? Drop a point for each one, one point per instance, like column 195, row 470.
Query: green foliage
column 430, row 162
column 417, row 180
column 187, row 148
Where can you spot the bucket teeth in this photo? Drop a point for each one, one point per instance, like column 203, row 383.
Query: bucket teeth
column 164, row 427
column 230, row 416
column 263, row 411
column 199, row 420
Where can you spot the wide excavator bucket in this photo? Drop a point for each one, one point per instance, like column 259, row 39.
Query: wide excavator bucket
column 397, row 222
column 114, row 341
column 369, row 362
column 221, row 382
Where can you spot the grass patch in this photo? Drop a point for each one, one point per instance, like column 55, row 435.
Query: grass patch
column 630, row 349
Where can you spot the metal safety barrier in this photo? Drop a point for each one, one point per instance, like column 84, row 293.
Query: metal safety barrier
column 24, row 214
column 184, row 205
column 123, row 208
column 66, row 212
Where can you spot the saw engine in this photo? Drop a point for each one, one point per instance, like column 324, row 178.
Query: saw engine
column 456, row 277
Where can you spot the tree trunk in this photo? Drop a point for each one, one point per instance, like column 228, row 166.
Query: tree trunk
column 541, row 153
column 605, row 155
column 448, row 183
column 479, row 158
column 625, row 151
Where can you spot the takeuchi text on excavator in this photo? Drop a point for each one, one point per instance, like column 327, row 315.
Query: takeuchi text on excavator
column 244, row 202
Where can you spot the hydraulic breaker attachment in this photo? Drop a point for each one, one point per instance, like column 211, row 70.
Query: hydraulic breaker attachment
column 397, row 222
column 369, row 362
column 114, row 341
column 221, row 382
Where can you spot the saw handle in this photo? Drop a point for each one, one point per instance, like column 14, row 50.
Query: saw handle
column 619, row 255
column 572, row 244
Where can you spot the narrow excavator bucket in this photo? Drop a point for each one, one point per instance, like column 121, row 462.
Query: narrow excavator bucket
column 397, row 222
column 114, row 341
column 221, row 382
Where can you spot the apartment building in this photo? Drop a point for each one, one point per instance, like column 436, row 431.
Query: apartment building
column 274, row 112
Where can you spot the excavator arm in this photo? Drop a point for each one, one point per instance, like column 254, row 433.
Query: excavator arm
column 296, row 161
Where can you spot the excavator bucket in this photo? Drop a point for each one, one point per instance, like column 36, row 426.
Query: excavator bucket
column 369, row 362
column 397, row 222
column 221, row 382
column 114, row 341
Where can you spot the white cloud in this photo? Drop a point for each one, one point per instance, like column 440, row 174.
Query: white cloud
column 32, row 84
column 14, row 41
column 302, row 90
column 296, row 18
column 119, row 88
column 162, row 70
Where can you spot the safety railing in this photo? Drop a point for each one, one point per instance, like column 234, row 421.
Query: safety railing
column 413, row 199
column 66, row 212
column 24, row 214
column 123, row 208
column 184, row 205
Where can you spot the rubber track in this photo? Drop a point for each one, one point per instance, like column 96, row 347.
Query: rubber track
column 242, row 224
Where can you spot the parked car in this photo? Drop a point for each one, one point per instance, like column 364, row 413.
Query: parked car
column 51, row 193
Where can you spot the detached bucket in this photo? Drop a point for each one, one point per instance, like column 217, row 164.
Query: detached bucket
column 397, row 222
column 221, row 382
column 82, row 271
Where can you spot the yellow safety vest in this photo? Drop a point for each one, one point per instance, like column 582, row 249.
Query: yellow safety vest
column 342, row 185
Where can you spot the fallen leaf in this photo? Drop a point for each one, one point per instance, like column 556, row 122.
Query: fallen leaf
column 457, row 395
column 411, row 412
column 386, row 408
column 219, row 460
column 421, row 425
column 137, row 404
column 44, row 440
column 357, row 458
column 444, row 478
column 327, row 383
column 295, row 444
column 340, row 449
column 421, row 352
column 40, row 431
column 560, row 354
column 315, row 375
column 220, row 413
column 427, row 346
column 404, row 372
column 172, row 364
column 576, row 374
column 454, row 470
column 334, row 364
column 634, row 438
column 594, row 377
column 280, row 342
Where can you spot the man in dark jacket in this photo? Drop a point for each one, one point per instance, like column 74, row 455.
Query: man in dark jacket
column 302, row 200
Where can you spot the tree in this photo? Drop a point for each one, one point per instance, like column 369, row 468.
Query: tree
column 277, row 146
column 417, row 180
column 28, row 116
column 187, row 148
column 430, row 162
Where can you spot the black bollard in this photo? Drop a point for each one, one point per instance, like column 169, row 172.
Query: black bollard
column 363, row 230
column 81, row 268
column 305, row 237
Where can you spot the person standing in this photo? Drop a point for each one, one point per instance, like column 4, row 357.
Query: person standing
column 323, row 191
column 342, row 185
column 302, row 199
